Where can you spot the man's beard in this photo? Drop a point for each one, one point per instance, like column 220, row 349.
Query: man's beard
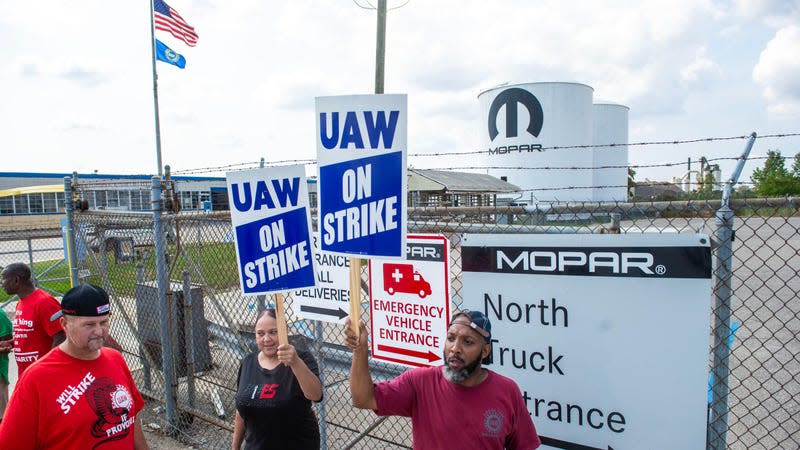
column 457, row 376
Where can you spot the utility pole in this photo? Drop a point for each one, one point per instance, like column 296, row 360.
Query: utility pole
column 380, row 47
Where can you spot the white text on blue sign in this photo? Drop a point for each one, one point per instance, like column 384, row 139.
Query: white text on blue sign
column 274, row 251
column 361, row 197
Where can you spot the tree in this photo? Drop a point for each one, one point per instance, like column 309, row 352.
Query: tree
column 774, row 179
column 631, row 182
column 796, row 166
column 744, row 191
column 706, row 188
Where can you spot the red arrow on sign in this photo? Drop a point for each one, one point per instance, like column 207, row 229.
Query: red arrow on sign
column 430, row 356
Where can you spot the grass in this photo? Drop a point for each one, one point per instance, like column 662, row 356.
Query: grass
column 767, row 212
column 52, row 276
column 217, row 262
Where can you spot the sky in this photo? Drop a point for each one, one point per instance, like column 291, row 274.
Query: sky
column 76, row 83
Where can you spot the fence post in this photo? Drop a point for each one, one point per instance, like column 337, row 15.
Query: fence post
column 69, row 208
column 319, row 338
column 163, row 307
column 104, row 259
column 188, row 324
column 262, row 299
column 146, row 375
column 723, row 274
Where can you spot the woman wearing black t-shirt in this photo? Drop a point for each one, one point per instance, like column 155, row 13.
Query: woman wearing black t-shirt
column 276, row 386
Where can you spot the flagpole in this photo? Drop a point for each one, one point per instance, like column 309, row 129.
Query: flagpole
column 155, row 90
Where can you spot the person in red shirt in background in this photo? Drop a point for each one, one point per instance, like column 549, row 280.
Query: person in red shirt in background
column 81, row 395
column 34, row 333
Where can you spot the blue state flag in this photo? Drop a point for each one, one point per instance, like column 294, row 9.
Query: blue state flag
column 169, row 56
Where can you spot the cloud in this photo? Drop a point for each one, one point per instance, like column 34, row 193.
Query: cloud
column 778, row 71
column 702, row 69
column 774, row 13
column 86, row 78
column 79, row 127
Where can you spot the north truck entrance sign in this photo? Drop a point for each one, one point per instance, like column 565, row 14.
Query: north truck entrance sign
column 606, row 335
column 410, row 303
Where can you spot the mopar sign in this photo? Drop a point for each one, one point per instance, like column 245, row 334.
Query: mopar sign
column 628, row 312
column 510, row 98
column 665, row 262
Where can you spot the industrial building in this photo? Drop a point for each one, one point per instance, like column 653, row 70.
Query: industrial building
column 555, row 142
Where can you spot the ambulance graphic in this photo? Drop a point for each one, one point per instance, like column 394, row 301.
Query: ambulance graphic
column 403, row 278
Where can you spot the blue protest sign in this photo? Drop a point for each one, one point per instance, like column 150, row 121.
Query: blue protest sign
column 361, row 153
column 272, row 229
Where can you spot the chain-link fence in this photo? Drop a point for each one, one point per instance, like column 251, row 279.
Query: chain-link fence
column 40, row 245
column 173, row 279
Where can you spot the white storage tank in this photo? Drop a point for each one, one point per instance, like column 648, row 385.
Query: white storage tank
column 522, row 124
column 611, row 171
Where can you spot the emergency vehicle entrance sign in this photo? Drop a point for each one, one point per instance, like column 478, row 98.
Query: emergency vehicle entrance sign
column 607, row 336
column 410, row 303
column 361, row 153
column 271, row 223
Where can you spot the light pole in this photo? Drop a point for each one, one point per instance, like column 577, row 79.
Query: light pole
column 380, row 47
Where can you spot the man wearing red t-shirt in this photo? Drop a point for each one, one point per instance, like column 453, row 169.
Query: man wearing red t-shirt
column 80, row 395
column 34, row 333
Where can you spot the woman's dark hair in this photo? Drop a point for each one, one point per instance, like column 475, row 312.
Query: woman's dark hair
column 269, row 311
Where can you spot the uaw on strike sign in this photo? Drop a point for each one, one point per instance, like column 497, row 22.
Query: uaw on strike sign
column 606, row 335
column 410, row 303
column 271, row 222
column 361, row 152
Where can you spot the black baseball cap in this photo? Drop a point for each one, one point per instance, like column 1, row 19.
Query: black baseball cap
column 475, row 320
column 85, row 300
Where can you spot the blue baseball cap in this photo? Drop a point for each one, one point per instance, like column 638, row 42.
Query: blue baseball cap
column 475, row 320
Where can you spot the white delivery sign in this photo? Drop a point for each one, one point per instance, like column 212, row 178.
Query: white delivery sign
column 328, row 301
column 606, row 335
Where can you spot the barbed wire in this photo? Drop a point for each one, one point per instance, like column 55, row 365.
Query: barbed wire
column 613, row 145
column 619, row 166
column 214, row 168
column 243, row 166
column 451, row 168
column 638, row 184
column 250, row 165
column 94, row 185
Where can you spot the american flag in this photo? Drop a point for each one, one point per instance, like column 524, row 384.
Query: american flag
column 167, row 19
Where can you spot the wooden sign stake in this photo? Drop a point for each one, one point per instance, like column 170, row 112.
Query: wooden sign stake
column 280, row 317
column 355, row 295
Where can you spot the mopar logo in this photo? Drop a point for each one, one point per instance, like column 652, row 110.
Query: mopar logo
column 510, row 98
column 591, row 262
column 425, row 252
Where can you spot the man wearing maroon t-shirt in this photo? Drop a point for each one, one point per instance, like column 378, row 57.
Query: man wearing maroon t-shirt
column 34, row 333
column 485, row 409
